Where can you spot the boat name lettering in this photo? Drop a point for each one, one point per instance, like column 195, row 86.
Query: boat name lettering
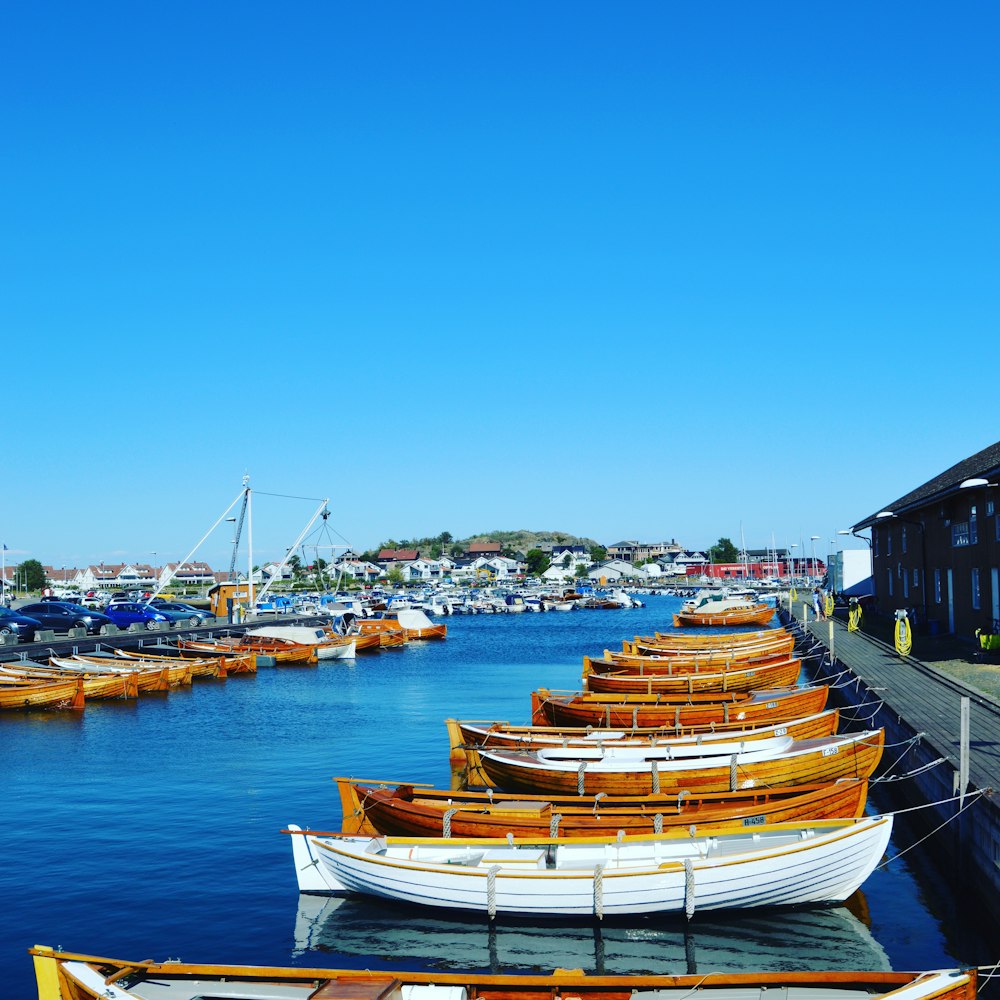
column 771, row 704
column 830, row 751
column 754, row 820
column 781, row 731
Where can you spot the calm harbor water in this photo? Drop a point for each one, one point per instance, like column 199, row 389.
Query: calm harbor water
column 150, row 829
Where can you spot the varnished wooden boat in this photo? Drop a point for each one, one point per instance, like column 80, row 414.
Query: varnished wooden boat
column 390, row 635
column 414, row 811
column 209, row 666
column 24, row 693
column 224, row 664
column 577, row 708
column 784, row 644
column 683, row 644
column 466, row 738
column 756, row 614
column 715, row 661
column 63, row 975
column 152, row 676
column 370, row 642
column 628, row 771
column 282, row 653
column 95, row 686
column 782, row 673
column 683, row 641
column 414, row 624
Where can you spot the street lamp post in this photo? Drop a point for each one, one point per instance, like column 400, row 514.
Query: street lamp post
column 889, row 514
column 813, row 539
column 791, row 569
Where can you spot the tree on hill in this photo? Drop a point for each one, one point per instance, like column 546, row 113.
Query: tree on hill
column 598, row 553
column 537, row 562
column 723, row 551
column 395, row 576
column 582, row 571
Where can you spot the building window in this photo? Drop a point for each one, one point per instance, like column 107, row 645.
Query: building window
column 906, row 585
column 888, row 543
column 916, row 577
column 903, row 540
column 973, row 528
column 976, row 597
column 960, row 534
column 997, row 531
column 937, row 586
column 875, row 534
column 890, row 582
column 990, row 508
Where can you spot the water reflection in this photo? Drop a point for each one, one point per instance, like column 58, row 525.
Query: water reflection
column 785, row 940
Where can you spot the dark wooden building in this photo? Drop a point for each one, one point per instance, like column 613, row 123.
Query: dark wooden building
column 936, row 550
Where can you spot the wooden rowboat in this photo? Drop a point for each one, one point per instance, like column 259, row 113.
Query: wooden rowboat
column 467, row 738
column 225, row 665
column 62, row 975
column 372, row 641
column 634, row 771
column 784, row 644
column 756, row 614
column 647, row 710
column 95, row 686
column 151, row 675
column 783, row 673
column 812, row 863
column 414, row 811
column 281, row 652
column 682, row 643
column 17, row 693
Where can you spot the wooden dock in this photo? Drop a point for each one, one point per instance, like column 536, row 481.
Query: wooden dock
column 910, row 697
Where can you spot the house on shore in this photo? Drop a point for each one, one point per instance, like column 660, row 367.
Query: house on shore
column 936, row 550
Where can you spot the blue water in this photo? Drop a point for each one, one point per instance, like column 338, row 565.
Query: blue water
column 150, row 829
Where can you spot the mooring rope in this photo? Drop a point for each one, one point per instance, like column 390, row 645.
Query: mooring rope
column 909, row 774
column 554, row 825
column 491, row 890
column 599, row 892
column 908, row 744
column 688, row 888
column 899, row 854
column 446, row 822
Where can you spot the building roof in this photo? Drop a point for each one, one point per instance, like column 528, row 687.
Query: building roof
column 984, row 464
column 398, row 555
column 484, row 548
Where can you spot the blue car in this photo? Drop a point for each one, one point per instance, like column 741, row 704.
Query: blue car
column 179, row 612
column 124, row 614
column 12, row 623
column 63, row 615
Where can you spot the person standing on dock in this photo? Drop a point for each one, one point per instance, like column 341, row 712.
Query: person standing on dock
column 818, row 604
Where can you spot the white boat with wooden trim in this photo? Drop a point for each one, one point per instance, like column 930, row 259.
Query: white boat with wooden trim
column 325, row 645
column 819, row 862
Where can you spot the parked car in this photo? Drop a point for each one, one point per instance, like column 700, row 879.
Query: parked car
column 124, row 614
column 64, row 615
column 14, row 623
column 93, row 601
column 183, row 612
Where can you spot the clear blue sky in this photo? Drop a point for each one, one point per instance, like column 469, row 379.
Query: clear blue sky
column 644, row 270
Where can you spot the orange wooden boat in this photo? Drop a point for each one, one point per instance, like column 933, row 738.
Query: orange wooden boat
column 223, row 664
column 18, row 693
column 370, row 641
column 151, row 675
column 784, row 673
column 757, row 614
column 684, row 641
column 65, row 975
column 715, row 662
column 631, row 772
column 781, row 643
column 414, row 810
column 578, row 708
column 465, row 738
column 95, row 686
column 391, row 635
column 283, row 653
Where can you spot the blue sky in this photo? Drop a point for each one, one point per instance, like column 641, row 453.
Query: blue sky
column 645, row 270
